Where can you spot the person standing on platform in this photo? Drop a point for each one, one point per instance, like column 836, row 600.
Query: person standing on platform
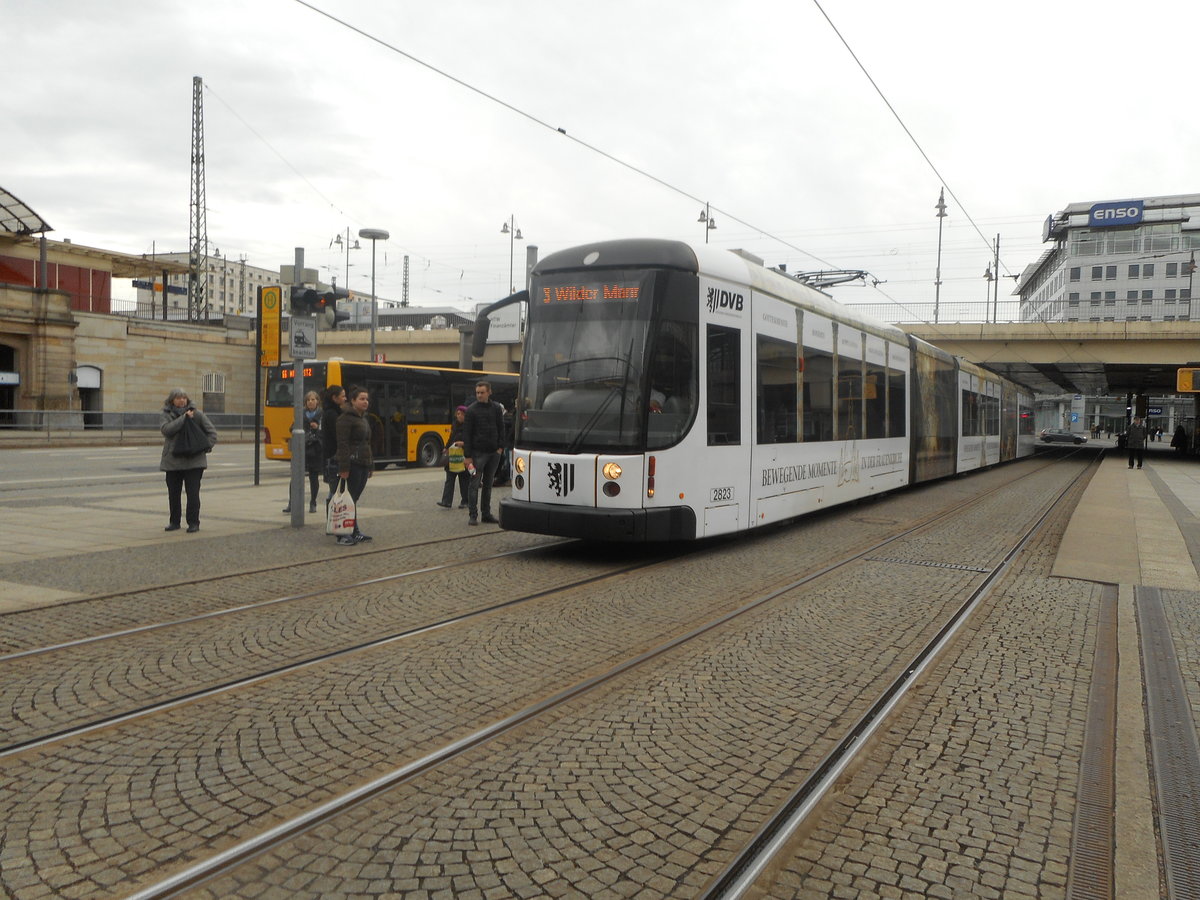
column 354, row 460
column 335, row 401
column 183, row 473
column 460, row 474
column 1179, row 439
column 1135, row 441
column 313, row 463
column 483, row 441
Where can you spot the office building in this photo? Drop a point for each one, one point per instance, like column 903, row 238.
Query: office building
column 1116, row 261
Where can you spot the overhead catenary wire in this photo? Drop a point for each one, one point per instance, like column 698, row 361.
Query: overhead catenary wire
column 661, row 181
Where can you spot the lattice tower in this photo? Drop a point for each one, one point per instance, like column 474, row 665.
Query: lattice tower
column 198, row 223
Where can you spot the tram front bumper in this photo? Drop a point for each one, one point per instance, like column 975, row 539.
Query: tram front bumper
column 674, row 523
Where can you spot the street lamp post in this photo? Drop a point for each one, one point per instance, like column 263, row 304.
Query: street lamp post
column 987, row 297
column 937, row 282
column 514, row 234
column 338, row 240
column 709, row 222
column 373, row 235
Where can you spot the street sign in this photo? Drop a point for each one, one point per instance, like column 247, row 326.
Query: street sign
column 303, row 337
column 1187, row 381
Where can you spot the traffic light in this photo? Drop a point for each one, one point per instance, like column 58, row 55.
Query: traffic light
column 306, row 301
column 325, row 307
column 303, row 301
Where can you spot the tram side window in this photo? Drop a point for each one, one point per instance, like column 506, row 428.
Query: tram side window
column 776, row 391
column 818, row 395
column 1025, row 412
column 875, row 389
column 992, row 406
column 724, row 376
column 970, row 413
column 672, row 382
column 897, row 423
column 850, row 399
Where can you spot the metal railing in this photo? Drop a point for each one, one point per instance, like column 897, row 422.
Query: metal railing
column 25, row 425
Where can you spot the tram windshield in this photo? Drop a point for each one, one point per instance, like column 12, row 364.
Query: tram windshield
column 602, row 370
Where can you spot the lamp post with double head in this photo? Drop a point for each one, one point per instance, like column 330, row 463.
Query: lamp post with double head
column 345, row 243
column 373, row 235
column 709, row 222
column 514, row 234
column 937, row 278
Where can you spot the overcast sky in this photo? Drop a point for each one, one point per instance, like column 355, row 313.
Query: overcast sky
column 755, row 107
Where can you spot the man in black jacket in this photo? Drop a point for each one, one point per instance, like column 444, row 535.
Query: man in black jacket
column 483, row 442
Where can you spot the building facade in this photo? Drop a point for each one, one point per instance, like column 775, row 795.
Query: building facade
column 1116, row 261
column 231, row 289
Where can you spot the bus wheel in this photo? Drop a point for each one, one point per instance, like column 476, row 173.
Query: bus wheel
column 429, row 451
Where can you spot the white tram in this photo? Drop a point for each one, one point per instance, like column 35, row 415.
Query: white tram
column 672, row 392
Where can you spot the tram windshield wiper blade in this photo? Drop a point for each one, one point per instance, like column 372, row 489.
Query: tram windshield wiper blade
column 587, row 426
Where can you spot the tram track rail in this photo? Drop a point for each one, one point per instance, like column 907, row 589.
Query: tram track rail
column 298, row 569
column 739, row 875
column 33, row 738
column 768, row 839
column 301, row 664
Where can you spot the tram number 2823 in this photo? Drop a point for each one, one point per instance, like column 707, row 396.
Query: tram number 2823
column 720, row 495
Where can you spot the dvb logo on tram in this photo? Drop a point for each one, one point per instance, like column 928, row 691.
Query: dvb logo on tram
column 718, row 299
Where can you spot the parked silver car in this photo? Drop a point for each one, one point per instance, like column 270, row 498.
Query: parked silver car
column 1062, row 436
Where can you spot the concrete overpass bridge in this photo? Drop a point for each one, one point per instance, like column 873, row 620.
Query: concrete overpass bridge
column 1088, row 358
column 1094, row 359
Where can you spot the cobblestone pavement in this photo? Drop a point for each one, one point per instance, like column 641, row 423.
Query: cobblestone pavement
column 643, row 790
column 971, row 793
column 120, row 806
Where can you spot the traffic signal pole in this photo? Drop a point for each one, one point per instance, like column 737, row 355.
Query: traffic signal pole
column 296, row 491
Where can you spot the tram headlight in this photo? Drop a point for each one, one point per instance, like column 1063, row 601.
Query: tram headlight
column 519, row 464
column 611, row 471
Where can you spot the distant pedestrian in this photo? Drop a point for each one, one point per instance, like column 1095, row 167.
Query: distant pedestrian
column 1135, row 441
column 1179, row 439
column 483, row 442
column 456, row 468
column 183, row 472
column 335, row 400
column 354, row 460
column 313, row 457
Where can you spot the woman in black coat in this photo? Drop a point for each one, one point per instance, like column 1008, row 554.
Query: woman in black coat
column 183, row 471
column 313, row 454
column 335, row 399
column 354, row 460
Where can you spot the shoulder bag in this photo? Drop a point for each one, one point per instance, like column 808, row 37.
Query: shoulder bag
column 191, row 439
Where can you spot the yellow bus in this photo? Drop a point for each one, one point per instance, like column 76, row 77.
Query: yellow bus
column 411, row 406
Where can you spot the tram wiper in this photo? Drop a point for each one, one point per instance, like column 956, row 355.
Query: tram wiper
column 587, row 427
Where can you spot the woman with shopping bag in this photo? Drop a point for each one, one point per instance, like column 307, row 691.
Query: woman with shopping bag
column 354, row 460
column 188, row 435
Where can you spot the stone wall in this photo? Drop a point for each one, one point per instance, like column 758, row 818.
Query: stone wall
column 140, row 360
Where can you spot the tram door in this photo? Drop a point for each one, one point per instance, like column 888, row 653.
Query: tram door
column 723, row 476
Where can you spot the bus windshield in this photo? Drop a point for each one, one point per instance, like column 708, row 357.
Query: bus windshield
column 599, row 373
